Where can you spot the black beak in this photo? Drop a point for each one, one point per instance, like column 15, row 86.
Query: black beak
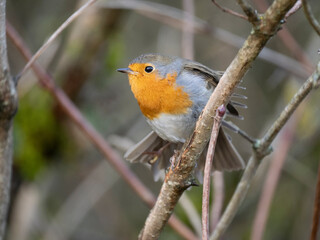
column 125, row 70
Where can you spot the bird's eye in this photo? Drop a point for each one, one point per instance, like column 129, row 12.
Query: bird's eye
column 148, row 69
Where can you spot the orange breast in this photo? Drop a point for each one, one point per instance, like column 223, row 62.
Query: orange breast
column 156, row 95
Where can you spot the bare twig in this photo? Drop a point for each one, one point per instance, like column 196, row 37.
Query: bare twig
column 229, row 11
column 261, row 149
column 56, row 34
column 252, row 14
column 218, row 187
column 272, row 177
column 74, row 114
column 316, row 210
column 8, row 108
column 175, row 17
column 187, row 33
column 207, row 171
column 294, row 9
column 312, row 20
column 178, row 178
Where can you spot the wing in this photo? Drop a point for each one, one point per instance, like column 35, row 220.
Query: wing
column 197, row 68
column 211, row 76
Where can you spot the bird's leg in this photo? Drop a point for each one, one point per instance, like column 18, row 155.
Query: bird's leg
column 157, row 153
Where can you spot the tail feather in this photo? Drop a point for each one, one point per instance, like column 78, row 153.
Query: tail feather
column 226, row 157
column 136, row 152
column 151, row 143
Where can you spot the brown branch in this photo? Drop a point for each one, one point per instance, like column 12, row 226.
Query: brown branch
column 312, row 20
column 252, row 14
column 207, row 171
column 8, row 108
column 218, row 187
column 179, row 176
column 316, row 210
column 285, row 141
column 74, row 114
column 294, row 9
column 229, row 11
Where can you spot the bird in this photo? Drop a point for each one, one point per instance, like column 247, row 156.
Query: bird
column 171, row 93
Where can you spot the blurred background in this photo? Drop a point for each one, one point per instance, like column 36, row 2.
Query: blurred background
column 62, row 186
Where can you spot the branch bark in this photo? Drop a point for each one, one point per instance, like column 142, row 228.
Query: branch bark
column 179, row 177
column 8, row 108
column 207, row 171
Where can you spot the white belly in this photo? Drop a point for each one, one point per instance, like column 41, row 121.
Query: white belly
column 175, row 128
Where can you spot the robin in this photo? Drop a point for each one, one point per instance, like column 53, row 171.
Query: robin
column 171, row 93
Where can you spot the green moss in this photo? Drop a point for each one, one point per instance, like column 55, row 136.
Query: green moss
column 36, row 133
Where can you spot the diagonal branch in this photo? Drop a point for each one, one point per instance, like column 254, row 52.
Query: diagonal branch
column 252, row 14
column 226, row 10
column 179, row 177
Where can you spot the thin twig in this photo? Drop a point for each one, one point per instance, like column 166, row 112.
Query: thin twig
column 74, row 114
column 316, row 210
column 229, row 11
column 262, row 148
column 187, row 33
column 285, row 141
column 207, row 171
column 218, row 197
column 312, row 20
column 252, row 14
column 55, row 35
column 175, row 17
column 294, row 9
